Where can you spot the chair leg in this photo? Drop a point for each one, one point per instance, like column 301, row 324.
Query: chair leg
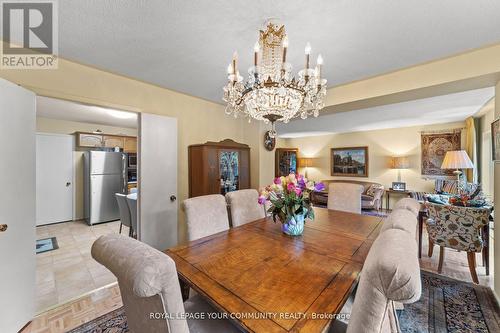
column 120, row 228
column 441, row 259
column 471, row 258
column 130, row 231
column 431, row 248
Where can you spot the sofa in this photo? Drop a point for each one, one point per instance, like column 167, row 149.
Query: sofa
column 371, row 198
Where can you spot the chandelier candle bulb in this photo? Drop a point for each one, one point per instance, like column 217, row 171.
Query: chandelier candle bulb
column 319, row 62
column 308, row 54
column 235, row 59
column 285, row 47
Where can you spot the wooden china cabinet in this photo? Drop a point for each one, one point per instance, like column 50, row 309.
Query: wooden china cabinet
column 218, row 167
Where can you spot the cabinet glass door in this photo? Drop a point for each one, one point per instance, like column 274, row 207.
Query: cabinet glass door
column 229, row 171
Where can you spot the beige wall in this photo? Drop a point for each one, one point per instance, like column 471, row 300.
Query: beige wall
column 382, row 144
column 56, row 126
column 198, row 120
column 487, row 165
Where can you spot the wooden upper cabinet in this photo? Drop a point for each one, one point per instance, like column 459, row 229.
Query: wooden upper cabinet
column 111, row 141
column 130, row 144
column 89, row 140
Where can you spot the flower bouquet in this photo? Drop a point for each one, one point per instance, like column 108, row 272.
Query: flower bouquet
column 290, row 199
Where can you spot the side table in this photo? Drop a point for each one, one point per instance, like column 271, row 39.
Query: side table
column 390, row 191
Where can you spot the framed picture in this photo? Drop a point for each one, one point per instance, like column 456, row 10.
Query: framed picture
column 349, row 161
column 495, row 140
column 399, row 186
column 285, row 161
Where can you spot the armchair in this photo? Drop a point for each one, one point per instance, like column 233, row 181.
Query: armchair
column 458, row 228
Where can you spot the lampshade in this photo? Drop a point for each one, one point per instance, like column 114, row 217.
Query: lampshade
column 305, row 162
column 400, row 162
column 457, row 159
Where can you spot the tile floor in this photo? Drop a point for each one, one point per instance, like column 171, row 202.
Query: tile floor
column 69, row 272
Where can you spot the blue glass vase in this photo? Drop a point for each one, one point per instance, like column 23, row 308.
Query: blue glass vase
column 294, row 225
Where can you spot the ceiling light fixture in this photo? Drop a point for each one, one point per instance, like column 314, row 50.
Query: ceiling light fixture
column 271, row 92
column 121, row 114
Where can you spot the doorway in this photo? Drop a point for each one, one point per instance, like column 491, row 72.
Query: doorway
column 75, row 199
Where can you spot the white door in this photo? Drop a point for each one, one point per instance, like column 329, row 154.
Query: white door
column 157, row 181
column 17, row 206
column 54, row 178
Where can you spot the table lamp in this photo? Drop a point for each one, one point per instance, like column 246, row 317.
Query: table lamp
column 399, row 163
column 457, row 159
column 305, row 162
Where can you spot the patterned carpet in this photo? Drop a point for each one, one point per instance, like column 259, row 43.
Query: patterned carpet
column 446, row 305
column 449, row 305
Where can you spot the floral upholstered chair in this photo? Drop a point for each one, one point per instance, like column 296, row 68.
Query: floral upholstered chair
column 458, row 228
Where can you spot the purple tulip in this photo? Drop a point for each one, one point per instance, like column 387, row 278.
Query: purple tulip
column 302, row 183
column 319, row 187
column 262, row 200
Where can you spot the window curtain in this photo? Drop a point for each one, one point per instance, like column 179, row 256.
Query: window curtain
column 471, row 148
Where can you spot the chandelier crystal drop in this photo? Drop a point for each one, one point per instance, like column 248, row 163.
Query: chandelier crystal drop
column 271, row 92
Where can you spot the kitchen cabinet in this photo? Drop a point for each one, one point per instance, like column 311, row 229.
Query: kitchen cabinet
column 218, row 167
column 111, row 141
column 130, row 144
column 88, row 139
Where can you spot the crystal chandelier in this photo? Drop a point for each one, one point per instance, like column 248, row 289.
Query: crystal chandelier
column 271, row 92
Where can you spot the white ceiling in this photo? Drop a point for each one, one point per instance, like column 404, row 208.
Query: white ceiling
column 186, row 45
column 64, row 110
column 426, row 111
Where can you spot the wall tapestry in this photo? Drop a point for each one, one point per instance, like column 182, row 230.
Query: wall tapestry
column 434, row 147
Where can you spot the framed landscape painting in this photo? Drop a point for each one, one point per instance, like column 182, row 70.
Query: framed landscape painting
column 495, row 140
column 349, row 162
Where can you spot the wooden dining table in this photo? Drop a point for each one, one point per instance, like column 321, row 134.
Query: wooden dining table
column 266, row 281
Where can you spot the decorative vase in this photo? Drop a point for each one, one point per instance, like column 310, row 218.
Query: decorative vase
column 294, row 225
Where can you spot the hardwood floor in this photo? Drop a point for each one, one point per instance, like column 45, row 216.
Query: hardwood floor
column 106, row 299
column 73, row 314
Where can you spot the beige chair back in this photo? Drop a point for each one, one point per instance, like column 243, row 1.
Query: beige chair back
column 244, row 206
column 409, row 204
column 345, row 197
column 148, row 283
column 391, row 273
column 402, row 219
column 205, row 215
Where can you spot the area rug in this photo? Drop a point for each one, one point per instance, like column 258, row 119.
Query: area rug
column 46, row 245
column 375, row 213
column 446, row 306
column 449, row 305
column 113, row 322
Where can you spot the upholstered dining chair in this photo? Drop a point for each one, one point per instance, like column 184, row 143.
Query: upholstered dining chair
column 458, row 228
column 345, row 197
column 121, row 199
column 132, row 206
column 149, row 284
column 244, row 206
column 402, row 219
column 205, row 215
column 391, row 273
column 409, row 204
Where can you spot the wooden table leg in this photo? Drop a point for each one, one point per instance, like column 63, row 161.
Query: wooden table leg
column 486, row 251
column 387, row 200
column 184, row 289
column 420, row 230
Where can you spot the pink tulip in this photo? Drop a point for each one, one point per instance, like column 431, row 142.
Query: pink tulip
column 298, row 191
